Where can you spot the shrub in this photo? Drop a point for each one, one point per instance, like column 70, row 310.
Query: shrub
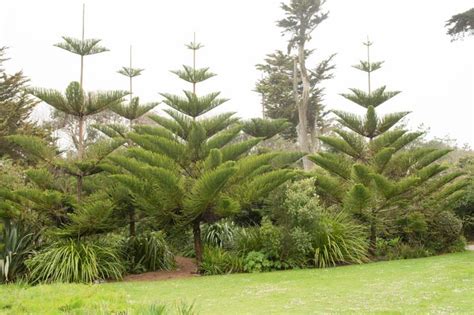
column 248, row 240
column 257, row 262
column 339, row 240
column 302, row 204
column 17, row 247
column 445, row 230
column 148, row 252
column 75, row 261
column 396, row 249
column 413, row 227
column 271, row 238
column 300, row 248
column 217, row 261
column 219, row 234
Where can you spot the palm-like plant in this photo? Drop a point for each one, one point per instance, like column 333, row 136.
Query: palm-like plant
column 192, row 168
column 370, row 173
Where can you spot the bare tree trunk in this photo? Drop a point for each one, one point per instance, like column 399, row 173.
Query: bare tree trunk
column 373, row 238
column 132, row 222
column 302, row 105
column 197, row 242
column 79, row 188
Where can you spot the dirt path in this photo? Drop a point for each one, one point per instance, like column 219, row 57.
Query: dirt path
column 470, row 247
column 185, row 268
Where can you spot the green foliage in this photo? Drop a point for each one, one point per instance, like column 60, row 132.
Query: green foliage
column 16, row 246
column 248, row 240
column 217, row 261
column 278, row 97
column 147, row 252
column 264, row 128
column 76, row 102
column 187, row 169
column 133, row 110
column 461, row 24
column 76, row 261
column 257, row 262
column 16, row 107
column 396, row 249
column 445, row 229
column 220, row 234
column 372, row 174
column 339, row 241
column 81, row 47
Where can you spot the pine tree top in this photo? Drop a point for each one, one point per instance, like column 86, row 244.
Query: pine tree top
column 130, row 72
column 82, row 47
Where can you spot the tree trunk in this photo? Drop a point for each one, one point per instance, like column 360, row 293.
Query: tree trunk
column 303, row 140
column 197, row 242
column 373, row 238
column 132, row 222
column 80, row 144
column 79, row 188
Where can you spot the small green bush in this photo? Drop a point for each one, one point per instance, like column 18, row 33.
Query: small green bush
column 219, row 234
column 396, row 249
column 248, row 239
column 257, row 262
column 76, row 261
column 148, row 252
column 217, row 261
column 339, row 240
column 17, row 247
column 445, row 230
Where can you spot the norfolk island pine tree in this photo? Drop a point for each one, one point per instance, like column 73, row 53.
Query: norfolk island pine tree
column 193, row 168
column 371, row 168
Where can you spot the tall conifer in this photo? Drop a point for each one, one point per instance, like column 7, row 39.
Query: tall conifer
column 193, row 167
column 371, row 170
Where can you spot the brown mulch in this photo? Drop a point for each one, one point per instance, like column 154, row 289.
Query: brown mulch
column 185, row 268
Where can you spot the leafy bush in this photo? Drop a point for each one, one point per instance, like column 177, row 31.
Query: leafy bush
column 271, row 238
column 396, row 249
column 445, row 230
column 217, row 261
column 148, row 252
column 257, row 262
column 339, row 240
column 76, row 261
column 17, row 247
column 248, row 239
column 219, row 234
column 412, row 227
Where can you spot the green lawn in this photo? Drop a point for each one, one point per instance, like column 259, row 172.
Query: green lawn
column 443, row 284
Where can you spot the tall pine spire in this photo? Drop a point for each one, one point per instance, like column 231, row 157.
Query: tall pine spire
column 133, row 110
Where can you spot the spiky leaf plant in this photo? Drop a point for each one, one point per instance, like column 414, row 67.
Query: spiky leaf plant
column 372, row 170
column 192, row 168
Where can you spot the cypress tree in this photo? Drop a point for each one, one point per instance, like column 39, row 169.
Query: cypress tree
column 16, row 106
column 371, row 168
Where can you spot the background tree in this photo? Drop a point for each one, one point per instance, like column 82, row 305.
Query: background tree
column 56, row 189
column 461, row 24
column 278, row 94
column 75, row 123
column 302, row 18
column 194, row 168
column 369, row 173
column 16, row 106
column 80, row 105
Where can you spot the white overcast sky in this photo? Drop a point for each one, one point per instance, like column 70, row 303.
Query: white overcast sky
column 436, row 76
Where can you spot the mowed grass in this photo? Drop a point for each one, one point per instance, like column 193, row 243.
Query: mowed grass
column 442, row 284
